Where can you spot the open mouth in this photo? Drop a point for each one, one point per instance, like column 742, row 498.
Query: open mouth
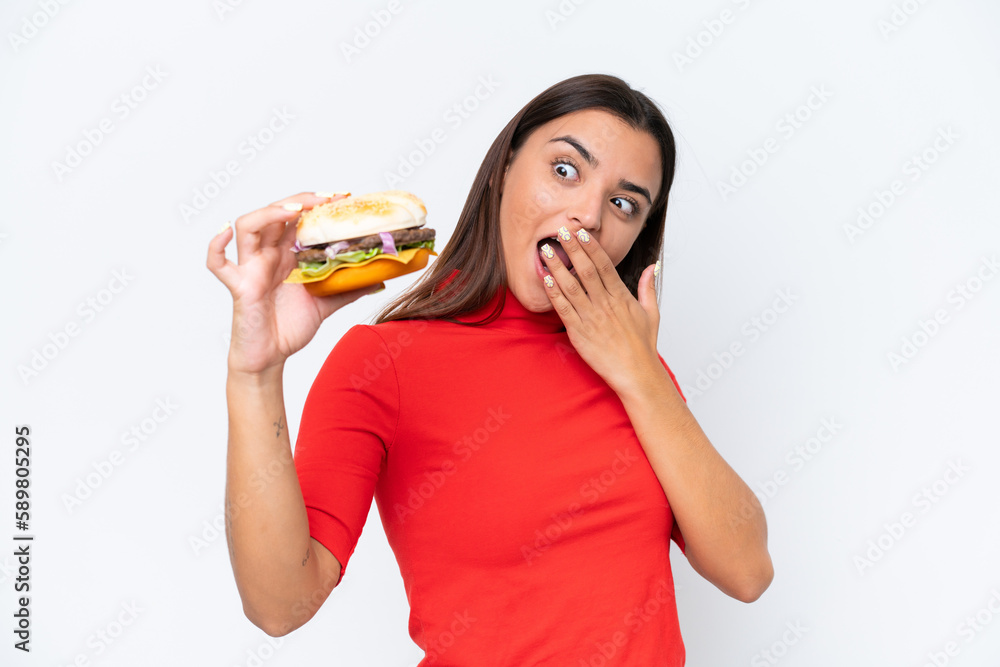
column 557, row 249
column 541, row 269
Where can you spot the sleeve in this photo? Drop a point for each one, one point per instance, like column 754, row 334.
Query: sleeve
column 347, row 428
column 676, row 536
column 671, row 373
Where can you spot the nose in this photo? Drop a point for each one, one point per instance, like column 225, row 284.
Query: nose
column 585, row 209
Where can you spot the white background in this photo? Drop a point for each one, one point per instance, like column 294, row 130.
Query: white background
column 855, row 297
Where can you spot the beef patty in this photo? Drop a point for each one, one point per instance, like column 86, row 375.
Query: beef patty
column 399, row 237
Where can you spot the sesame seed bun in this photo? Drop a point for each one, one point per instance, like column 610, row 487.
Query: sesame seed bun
column 354, row 217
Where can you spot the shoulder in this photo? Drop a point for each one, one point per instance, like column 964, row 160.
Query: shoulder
column 402, row 332
column 369, row 342
column 357, row 337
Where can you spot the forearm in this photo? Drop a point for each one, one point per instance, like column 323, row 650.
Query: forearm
column 266, row 524
column 723, row 523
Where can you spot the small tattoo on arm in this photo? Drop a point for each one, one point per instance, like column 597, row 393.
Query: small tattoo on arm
column 306, row 558
column 280, row 424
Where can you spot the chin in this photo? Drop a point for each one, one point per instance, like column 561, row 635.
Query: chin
column 532, row 296
column 540, row 306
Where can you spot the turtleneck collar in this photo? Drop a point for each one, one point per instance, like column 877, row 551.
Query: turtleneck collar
column 514, row 316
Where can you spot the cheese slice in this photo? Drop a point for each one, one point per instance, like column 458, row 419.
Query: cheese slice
column 404, row 256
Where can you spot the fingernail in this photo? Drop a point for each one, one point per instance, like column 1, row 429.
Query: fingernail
column 564, row 233
column 656, row 269
column 224, row 228
column 547, row 251
column 376, row 291
column 549, row 282
column 295, row 206
column 583, row 235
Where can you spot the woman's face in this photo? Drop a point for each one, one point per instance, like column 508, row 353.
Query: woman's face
column 586, row 169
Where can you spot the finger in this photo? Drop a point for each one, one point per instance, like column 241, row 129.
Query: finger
column 275, row 236
column 265, row 226
column 583, row 267
column 647, row 290
column 222, row 268
column 568, row 285
column 286, row 242
column 330, row 304
column 288, row 259
column 560, row 303
column 593, row 266
column 649, row 302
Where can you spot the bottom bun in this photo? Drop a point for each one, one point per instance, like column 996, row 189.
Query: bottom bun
column 352, row 278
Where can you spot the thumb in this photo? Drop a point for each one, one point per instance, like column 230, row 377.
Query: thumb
column 333, row 302
column 647, row 289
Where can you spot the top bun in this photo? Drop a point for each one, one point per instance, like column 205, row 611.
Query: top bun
column 364, row 215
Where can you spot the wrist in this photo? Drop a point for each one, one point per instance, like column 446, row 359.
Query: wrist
column 652, row 381
column 255, row 377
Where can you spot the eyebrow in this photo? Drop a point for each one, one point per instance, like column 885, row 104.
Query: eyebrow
column 593, row 162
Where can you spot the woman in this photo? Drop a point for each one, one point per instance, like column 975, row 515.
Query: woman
column 509, row 413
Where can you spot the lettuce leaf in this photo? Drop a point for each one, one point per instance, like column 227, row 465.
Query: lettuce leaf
column 312, row 269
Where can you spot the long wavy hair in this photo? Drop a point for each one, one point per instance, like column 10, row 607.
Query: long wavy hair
column 475, row 248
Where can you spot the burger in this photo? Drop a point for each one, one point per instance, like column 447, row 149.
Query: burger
column 358, row 241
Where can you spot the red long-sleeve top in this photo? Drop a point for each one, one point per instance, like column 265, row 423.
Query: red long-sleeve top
column 528, row 525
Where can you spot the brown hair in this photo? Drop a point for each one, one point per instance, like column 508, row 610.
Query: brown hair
column 475, row 248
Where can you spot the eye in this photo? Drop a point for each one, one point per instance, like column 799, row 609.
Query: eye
column 565, row 168
column 630, row 206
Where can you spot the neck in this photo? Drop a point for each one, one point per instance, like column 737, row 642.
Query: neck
column 514, row 317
